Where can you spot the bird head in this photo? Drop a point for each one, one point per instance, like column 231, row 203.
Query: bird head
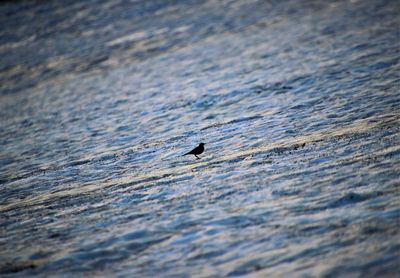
column 201, row 144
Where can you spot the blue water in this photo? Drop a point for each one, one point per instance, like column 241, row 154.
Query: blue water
column 297, row 102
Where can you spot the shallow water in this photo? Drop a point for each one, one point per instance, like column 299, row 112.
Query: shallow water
column 297, row 102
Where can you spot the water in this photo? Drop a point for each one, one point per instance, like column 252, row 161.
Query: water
column 297, row 102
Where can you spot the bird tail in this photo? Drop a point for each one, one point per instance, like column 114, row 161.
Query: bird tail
column 186, row 154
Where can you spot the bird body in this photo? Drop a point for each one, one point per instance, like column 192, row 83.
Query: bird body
column 196, row 151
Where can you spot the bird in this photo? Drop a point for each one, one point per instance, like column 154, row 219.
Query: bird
column 196, row 151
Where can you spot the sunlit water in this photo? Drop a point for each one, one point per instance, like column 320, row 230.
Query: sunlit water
column 297, row 102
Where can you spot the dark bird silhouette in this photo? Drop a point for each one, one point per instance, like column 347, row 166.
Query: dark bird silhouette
column 196, row 151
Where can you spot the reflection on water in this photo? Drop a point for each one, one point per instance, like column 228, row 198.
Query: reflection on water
column 297, row 102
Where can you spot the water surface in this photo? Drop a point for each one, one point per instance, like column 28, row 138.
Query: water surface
column 297, row 102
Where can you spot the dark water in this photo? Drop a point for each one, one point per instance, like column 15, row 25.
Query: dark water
column 297, row 102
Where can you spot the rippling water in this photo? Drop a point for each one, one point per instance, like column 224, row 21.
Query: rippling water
column 297, row 102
